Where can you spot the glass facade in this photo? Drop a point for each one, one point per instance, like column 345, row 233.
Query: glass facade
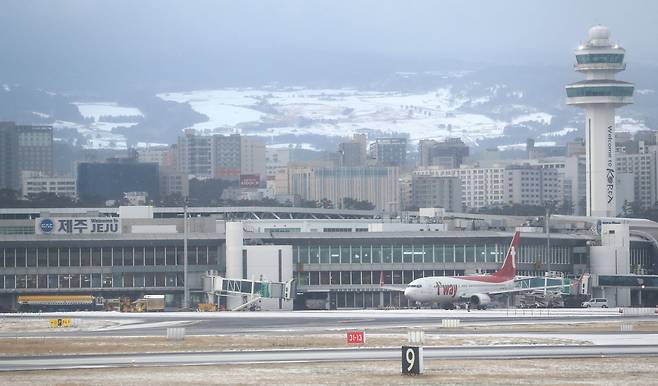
column 617, row 91
column 25, row 267
column 600, row 58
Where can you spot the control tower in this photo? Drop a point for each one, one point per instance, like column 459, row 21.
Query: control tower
column 599, row 94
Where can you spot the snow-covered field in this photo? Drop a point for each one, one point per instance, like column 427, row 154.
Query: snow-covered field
column 342, row 112
column 105, row 109
column 295, row 111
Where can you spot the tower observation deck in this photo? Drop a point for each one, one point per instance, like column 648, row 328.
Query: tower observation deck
column 600, row 94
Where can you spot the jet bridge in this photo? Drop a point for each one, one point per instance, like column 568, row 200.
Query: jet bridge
column 250, row 291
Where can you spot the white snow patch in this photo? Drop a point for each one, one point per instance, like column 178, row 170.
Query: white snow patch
column 522, row 146
column 41, row 115
column 97, row 110
column 542, row 118
column 629, row 124
column 304, row 146
column 339, row 112
column 559, row 133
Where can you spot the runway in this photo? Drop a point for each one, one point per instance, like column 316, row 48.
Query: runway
column 317, row 355
column 154, row 324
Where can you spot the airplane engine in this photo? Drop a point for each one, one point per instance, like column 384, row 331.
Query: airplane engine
column 480, row 300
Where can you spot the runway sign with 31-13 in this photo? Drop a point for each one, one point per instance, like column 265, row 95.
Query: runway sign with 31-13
column 356, row 337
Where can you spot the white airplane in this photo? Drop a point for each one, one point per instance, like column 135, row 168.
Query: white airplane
column 474, row 289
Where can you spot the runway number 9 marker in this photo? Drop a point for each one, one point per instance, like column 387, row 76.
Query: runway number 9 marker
column 411, row 359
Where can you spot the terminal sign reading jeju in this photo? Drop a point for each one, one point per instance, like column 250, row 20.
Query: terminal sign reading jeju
column 77, row 225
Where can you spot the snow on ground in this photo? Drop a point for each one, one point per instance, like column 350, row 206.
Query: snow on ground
column 522, row 146
column 542, row 118
column 560, row 133
column 97, row 134
column 341, row 112
column 304, row 146
column 41, row 115
column 97, row 110
column 629, row 124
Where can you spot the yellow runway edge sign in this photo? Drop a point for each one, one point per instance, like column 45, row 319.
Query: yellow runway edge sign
column 55, row 323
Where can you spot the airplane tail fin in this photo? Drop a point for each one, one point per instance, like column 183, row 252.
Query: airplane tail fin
column 508, row 270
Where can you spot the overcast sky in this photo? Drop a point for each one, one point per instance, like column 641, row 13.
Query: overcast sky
column 66, row 33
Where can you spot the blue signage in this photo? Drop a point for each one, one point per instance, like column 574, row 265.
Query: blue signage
column 46, row 225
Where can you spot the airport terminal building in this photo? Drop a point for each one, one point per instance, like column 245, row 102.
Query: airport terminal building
column 339, row 257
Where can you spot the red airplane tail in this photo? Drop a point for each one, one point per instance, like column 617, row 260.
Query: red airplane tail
column 508, row 270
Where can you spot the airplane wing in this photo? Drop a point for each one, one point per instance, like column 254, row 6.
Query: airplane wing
column 390, row 288
column 398, row 289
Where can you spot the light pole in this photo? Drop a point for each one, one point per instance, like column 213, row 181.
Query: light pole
column 548, row 236
column 186, row 288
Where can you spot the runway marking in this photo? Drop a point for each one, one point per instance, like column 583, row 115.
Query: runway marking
column 134, row 326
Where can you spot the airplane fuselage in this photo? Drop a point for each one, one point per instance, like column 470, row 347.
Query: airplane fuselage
column 449, row 289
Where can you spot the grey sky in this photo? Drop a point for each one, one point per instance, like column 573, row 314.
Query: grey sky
column 72, row 33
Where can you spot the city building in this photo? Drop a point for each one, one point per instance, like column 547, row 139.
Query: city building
column 110, row 180
column 24, row 148
column 194, row 156
column 252, row 157
column 160, row 155
column 353, row 153
column 480, row 187
column 528, row 184
column 174, row 183
column 600, row 94
column 639, row 160
column 436, row 192
column 389, row 151
column 220, row 156
column 448, row 154
column 37, row 182
column 377, row 185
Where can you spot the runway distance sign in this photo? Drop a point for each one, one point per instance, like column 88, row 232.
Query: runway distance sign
column 412, row 360
column 356, row 337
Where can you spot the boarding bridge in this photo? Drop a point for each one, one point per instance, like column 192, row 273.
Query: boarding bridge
column 545, row 284
column 251, row 291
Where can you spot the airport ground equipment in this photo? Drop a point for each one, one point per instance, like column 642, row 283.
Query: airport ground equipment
column 206, row 307
column 149, row 303
column 61, row 303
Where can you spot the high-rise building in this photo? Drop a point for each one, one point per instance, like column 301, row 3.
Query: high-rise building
column 436, row 192
column 481, row 187
column 641, row 164
column 252, row 157
column 532, row 184
column 195, row 155
column 448, row 154
column 353, row 153
column 599, row 94
column 9, row 172
column 37, row 182
column 377, row 185
column 220, row 156
column 389, row 151
column 112, row 179
column 24, row 148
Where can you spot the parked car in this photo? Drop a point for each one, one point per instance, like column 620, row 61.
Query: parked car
column 596, row 302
